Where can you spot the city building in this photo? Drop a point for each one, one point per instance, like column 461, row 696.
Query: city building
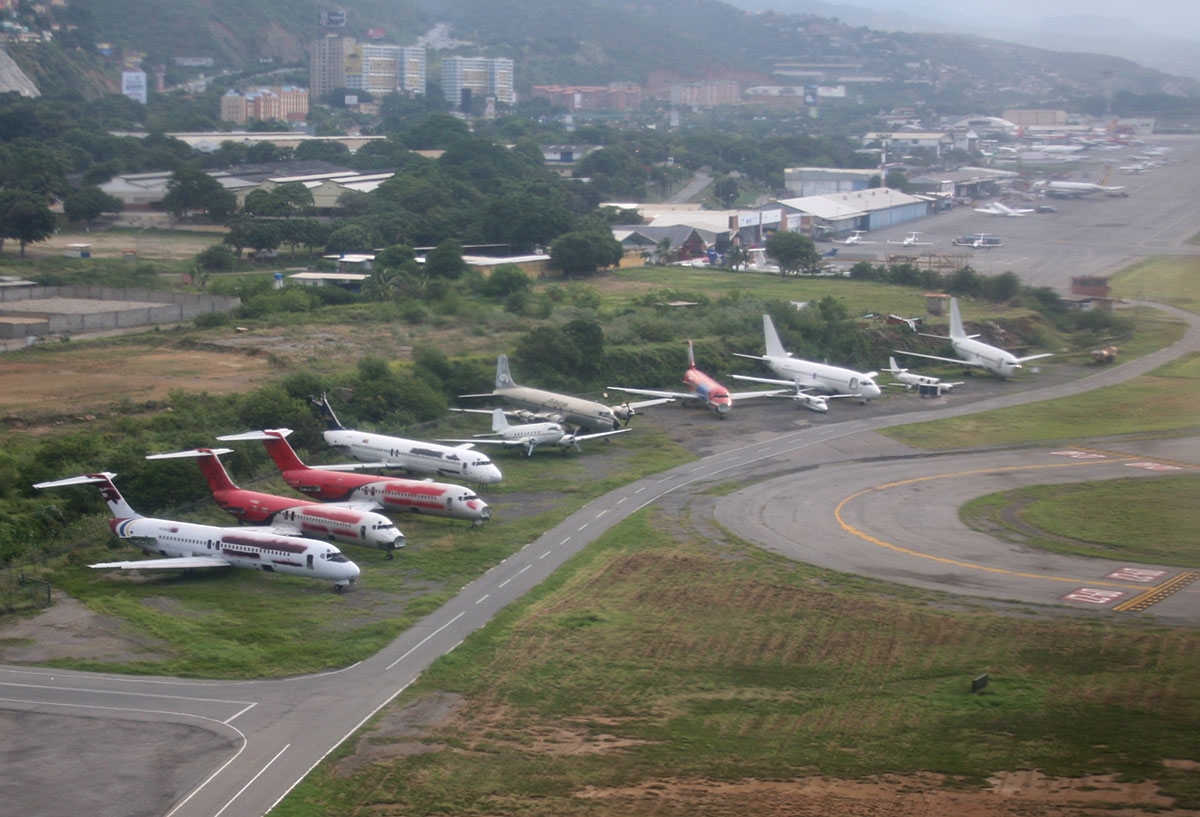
column 706, row 94
column 327, row 67
column 285, row 103
column 384, row 69
column 616, row 96
column 477, row 76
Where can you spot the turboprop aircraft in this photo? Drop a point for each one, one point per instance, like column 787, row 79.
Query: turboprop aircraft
column 293, row 517
column 702, row 388
column 542, row 405
column 908, row 379
column 382, row 451
column 975, row 353
column 188, row 544
column 365, row 490
column 530, row 435
column 808, row 375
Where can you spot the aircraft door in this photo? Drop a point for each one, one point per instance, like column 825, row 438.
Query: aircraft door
column 309, row 560
column 362, row 532
column 854, row 384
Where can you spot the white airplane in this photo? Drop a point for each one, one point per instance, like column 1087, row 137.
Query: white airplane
column 855, row 237
column 908, row 379
column 541, row 405
column 997, row 208
column 530, row 435
column 910, row 240
column 1067, row 190
column 805, row 398
column 188, row 544
column 976, row 353
column 414, row 456
column 807, row 375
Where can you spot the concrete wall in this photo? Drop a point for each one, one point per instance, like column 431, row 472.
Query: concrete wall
column 168, row 307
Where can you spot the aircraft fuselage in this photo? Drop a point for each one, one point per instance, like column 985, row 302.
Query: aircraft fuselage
column 563, row 408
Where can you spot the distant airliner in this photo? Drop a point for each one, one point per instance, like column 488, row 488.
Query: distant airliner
column 976, row 353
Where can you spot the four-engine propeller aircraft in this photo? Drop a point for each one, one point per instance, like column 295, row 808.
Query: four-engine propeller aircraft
column 975, row 353
column 414, row 456
column 188, row 544
column 293, row 517
column 908, row 379
column 911, row 240
column 702, row 388
column 530, row 435
column 807, row 375
column 379, row 492
column 997, row 208
column 542, row 405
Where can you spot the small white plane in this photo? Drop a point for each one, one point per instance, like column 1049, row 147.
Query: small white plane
column 855, row 237
column 807, row 398
column 911, row 240
column 975, row 353
column 530, row 435
column 189, row 544
column 908, row 379
column 997, row 208
column 807, row 375
column 414, row 456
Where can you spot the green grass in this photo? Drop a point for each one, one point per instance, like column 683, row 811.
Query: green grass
column 716, row 661
column 1144, row 520
column 1171, row 281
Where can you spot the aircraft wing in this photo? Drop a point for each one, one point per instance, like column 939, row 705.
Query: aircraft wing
column 174, row 563
column 1034, row 357
column 957, row 360
column 664, row 396
column 575, row 438
column 637, row 404
column 354, row 466
column 489, row 440
column 749, row 395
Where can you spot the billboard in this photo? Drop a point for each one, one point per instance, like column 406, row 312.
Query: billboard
column 333, row 19
column 133, row 85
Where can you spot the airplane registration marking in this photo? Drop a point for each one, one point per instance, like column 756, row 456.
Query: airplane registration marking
column 846, row 526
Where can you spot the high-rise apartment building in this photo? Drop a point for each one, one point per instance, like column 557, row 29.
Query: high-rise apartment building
column 481, row 75
column 327, row 68
column 341, row 62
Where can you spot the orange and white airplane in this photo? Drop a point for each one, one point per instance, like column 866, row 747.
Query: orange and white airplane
column 331, row 521
column 388, row 494
column 704, row 389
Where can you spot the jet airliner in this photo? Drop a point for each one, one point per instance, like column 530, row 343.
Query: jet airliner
column 976, row 353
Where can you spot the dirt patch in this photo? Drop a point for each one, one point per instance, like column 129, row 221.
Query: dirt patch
column 1012, row 794
column 68, row 629
column 400, row 733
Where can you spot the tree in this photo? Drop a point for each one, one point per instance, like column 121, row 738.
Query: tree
column 582, row 252
column 25, row 217
column 190, row 188
column 793, row 252
column 445, row 261
column 89, row 203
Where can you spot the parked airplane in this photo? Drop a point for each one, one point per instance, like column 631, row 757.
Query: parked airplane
column 530, row 435
column 910, row 240
column 702, row 388
column 414, row 456
column 805, row 398
column 541, row 405
column 1063, row 190
column 188, row 544
column 365, row 490
column 855, row 237
column 908, row 379
column 808, row 375
column 976, row 353
column 979, row 241
column 293, row 517
column 997, row 208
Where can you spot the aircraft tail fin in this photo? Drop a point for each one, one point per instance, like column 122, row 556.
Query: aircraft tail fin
column 774, row 344
column 956, row 325
column 116, row 503
column 499, row 421
column 278, row 448
column 503, row 377
column 892, row 367
column 691, row 356
column 331, row 420
column 210, row 465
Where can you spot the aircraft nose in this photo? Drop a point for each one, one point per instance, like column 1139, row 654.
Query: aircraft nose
column 352, row 571
column 492, row 474
column 398, row 542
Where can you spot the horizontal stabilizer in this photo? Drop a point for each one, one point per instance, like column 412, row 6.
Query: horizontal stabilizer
column 266, row 434
column 86, row 479
column 195, row 452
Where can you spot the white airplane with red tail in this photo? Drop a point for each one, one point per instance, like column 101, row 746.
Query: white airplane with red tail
column 331, row 521
column 379, row 492
column 703, row 389
column 191, row 545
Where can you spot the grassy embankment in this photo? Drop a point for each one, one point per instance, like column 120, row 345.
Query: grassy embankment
column 670, row 652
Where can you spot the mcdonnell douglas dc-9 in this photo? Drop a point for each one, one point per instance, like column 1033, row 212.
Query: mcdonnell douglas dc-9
column 538, row 404
column 975, row 353
column 422, row 496
column 190, row 545
column 810, row 376
column 293, row 517
column 414, row 456
column 530, row 435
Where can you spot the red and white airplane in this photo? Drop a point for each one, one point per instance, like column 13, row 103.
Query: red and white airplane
column 383, row 493
column 190, row 545
column 332, row 522
column 704, row 389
